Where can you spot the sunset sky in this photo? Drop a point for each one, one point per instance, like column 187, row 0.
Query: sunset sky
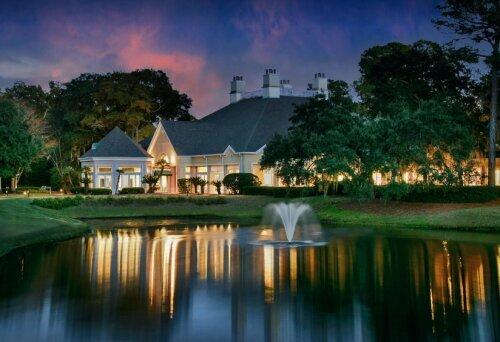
column 201, row 45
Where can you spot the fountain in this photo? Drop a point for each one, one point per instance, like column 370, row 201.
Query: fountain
column 296, row 220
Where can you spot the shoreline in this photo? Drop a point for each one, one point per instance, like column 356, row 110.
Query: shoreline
column 23, row 224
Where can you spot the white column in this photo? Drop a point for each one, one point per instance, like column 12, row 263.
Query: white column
column 95, row 167
column 208, row 176
column 143, row 173
column 114, row 177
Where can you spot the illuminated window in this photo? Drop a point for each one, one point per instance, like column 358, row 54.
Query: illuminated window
column 233, row 169
column 217, row 169
column 129, row 181
column 268, row 178
column 104, row 181
column 130, row 169
column 377, row 178
column 104, row 169
column 202, row 169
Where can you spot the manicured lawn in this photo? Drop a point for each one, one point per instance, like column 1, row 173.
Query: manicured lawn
column 471, row 217
column 331, row 211
column 241, row 208
column 22, row 224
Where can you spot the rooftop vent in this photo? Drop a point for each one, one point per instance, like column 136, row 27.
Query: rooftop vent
column 237, row 89
column 94, row 146
column 271, row 84
column 319, row 84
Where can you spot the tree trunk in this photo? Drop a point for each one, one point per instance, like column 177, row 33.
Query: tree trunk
column 492, row 136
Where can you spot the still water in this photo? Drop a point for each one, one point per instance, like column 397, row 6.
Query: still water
column 209, row 282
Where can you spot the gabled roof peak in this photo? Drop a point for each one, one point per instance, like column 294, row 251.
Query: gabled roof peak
column 117, row 144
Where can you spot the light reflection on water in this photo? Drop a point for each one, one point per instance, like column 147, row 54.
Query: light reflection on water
column 208, row 282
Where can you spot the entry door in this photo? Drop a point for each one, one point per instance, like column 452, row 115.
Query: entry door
column 164, row 186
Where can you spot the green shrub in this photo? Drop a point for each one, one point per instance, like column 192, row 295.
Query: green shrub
column 78, row 190
column 90, row 201
column 443, row 194
column 198, row 181
column 184, row 185
column 55, row 179
column 58, row 203
column 151, row 180
column 218, row 186
column 235, row 182
column 132, row 191
column 152, row 200
column 359, row 188
column 93, row 191
column 280, row 191
column 100, row 191
column 394, row 191
column 333, row 188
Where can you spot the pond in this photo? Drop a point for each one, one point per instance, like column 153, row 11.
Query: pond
column 202, row 281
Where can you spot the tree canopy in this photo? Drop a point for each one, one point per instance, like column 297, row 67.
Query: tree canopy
column 18, row 146
column 84, row 109
column 479, row 22
column 410, row 73
column 332, row 139
column 70, row 116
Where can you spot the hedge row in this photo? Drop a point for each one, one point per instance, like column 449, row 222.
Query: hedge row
column 91, row 191
column 442, row 194
column 132, row 191
column 88, row 201
column 58, row 203
column 280, row 191
column 410, row 193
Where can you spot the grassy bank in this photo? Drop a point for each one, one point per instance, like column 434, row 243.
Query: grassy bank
column 484, row 217
column 331, row 211
column 22, row 224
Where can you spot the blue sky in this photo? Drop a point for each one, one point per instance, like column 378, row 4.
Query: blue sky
column 202, row 44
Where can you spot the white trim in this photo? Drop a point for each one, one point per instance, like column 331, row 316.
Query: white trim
column 228, row 149
column 260, row 150
column 160, row 128
column 154, row 138
column 214, row 154
column 87, row 159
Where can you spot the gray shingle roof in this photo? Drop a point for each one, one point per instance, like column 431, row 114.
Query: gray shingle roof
column 246, row 125
column 145, row 142
column 117, row 144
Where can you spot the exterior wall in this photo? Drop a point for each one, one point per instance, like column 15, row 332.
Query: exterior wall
column 115, row 164
column 224, row 164
column 161, row 147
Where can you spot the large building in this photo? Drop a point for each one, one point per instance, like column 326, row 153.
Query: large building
column 229, row 140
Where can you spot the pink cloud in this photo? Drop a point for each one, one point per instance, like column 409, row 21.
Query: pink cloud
column 109, row 44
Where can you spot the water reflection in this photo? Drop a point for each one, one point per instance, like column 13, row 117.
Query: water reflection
column 207, row 281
